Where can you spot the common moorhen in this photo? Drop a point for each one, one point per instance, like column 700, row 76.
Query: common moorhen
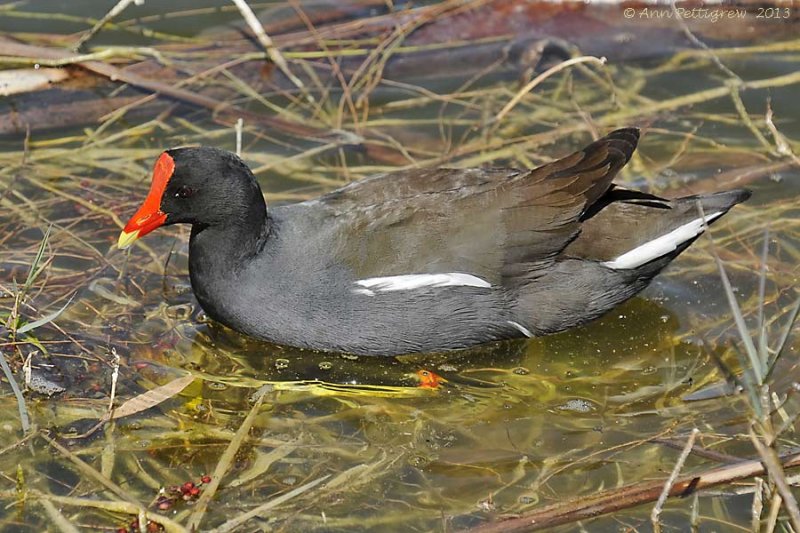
column 421, row 260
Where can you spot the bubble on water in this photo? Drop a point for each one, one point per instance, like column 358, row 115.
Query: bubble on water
column 577, row 405
column 418, row 461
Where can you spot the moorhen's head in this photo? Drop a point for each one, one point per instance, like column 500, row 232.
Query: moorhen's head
column 204, row 186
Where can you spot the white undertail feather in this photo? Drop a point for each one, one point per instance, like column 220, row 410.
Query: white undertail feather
column 525, row 331
column 417, row 281
column 661, row 246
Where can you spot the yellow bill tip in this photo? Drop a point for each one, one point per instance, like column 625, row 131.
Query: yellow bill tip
column 127, row 239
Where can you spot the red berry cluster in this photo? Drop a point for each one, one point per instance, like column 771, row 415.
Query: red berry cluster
column 189, row 491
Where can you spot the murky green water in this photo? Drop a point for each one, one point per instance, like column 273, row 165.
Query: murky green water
column 516, row 425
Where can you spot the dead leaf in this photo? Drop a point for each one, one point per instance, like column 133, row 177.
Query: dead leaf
column 26, row 80
column 152, row 397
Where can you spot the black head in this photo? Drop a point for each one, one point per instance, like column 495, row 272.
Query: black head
column 209, row 186
column 201, row 186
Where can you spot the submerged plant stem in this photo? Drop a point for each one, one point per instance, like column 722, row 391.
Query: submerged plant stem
column 226, row 460
column 23, row 409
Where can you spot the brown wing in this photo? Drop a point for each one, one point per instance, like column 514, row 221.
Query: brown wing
column 498, row 224
column 551, row 199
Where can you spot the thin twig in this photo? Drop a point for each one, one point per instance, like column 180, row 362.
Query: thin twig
column 782, row 146
column 114, row 506
column 778, row 476
column 116, row 10
column 114, row 378
column 24, row 440
column 269, row 47
column 695, row 516
column 699, row 451
column 655, row 514
column 758, row 504
column 774, row 511
column 762, row 289
column 232, row 524
column 58, row 519
column 742, row 110
column 91, row 472
column 691, row 36
column 705, row 95
column 543, row 76
column 787, row 331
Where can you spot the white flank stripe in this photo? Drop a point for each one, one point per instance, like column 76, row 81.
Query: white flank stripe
column 525, row 331
column 408, row 282
column 662, row 245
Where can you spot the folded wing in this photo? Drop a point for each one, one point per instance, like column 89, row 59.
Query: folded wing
column 496, row 224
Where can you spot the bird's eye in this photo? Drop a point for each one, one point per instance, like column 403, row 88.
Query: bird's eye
column 183, row 192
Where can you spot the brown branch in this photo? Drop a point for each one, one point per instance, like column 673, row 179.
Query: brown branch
column 776, row 474
column 610, row 501
column 224, row 112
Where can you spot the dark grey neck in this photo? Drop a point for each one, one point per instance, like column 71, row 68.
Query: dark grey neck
column 219, row 250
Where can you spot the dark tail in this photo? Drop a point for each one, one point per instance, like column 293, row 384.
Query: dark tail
column 621, row 247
